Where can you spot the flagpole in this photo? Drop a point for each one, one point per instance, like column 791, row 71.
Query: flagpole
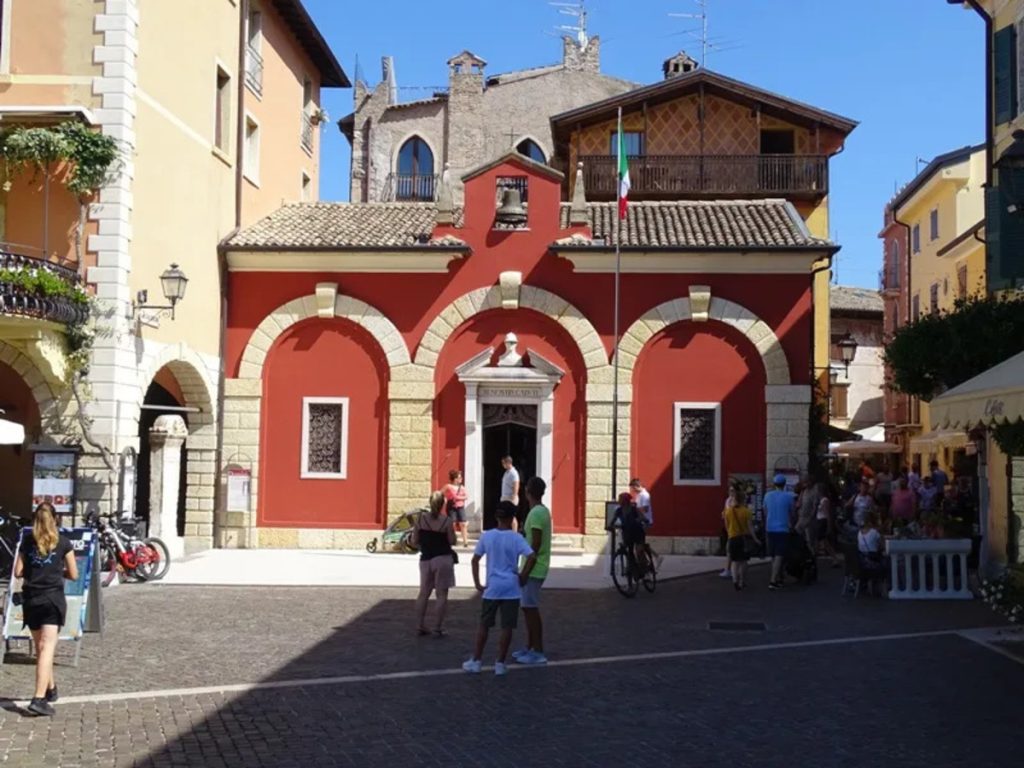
column 615, row 322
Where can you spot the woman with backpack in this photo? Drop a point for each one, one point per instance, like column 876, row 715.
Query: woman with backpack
column 434, row 535
column 45, row 559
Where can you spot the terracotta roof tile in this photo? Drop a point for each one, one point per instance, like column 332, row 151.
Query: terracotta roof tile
column 741, row 224
column 848, row 298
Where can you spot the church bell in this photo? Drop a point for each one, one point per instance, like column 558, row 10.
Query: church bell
column 511, row 212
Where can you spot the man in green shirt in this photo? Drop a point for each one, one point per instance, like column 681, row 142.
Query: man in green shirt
column 537, row 530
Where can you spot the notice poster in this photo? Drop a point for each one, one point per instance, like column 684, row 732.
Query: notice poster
column 53, row 481
column 239, row 485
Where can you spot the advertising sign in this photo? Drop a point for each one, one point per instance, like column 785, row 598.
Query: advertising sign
column 239, row 485
column 53, row 480
column 76, row 592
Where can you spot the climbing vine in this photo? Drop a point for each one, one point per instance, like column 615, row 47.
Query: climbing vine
column 91, row 156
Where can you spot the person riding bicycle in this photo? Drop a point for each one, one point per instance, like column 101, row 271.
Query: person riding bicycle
column 630, row 518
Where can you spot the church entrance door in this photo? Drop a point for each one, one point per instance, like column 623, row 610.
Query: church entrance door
column 508, row 430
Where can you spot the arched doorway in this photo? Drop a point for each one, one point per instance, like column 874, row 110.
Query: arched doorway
column 414, row 177
column 19, row 406
column 159, row 400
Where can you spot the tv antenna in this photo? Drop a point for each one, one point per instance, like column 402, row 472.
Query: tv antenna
column 578, row 11
column 707, row 43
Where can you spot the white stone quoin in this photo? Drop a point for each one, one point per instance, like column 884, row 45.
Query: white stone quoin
column 166, row 439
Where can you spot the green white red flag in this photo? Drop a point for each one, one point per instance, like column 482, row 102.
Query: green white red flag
column 623, row 169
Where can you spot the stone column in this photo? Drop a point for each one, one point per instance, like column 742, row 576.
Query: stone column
column 236, row 529
column 410, row 438
column 789, row 422
column 598, row 457
column 166, row 440
column 1017, row 507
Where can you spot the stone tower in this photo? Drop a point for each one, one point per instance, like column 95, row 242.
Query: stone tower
column 465, row 128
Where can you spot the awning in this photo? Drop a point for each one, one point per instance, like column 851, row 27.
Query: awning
column 11, row 433
column 940, row 438
column 993, row 397
column 863, row 448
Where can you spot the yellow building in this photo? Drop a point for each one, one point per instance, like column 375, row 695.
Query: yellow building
column 212, row 134
column 941, row 216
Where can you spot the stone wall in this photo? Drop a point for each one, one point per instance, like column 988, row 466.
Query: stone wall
column 1017, row 506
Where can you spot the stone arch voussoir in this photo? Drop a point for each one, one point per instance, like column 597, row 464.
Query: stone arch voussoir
column 657, row 319
column 295, row 311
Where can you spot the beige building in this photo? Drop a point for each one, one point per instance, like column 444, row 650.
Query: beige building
column 857, row 389
column 212, row 135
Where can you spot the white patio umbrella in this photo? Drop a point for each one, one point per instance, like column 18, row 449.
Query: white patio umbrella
column 11, row 433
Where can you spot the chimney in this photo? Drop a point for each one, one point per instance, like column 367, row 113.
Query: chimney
column 581, row 57
column 387, row 65
column 680, row 64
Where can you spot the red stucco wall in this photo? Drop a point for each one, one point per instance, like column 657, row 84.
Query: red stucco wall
column 324, row 358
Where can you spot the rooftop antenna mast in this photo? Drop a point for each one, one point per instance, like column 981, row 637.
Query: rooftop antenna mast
column 578, row 11
column 702, row 34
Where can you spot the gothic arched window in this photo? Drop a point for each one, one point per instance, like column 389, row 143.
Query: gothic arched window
column 532, row 150
column 414, row 179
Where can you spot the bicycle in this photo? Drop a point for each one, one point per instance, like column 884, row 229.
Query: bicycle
column 10, row 532
column 627, row 574
column 125, row 554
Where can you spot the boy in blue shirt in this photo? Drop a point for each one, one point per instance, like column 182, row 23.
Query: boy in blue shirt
column 778, row 512
column 502, row 547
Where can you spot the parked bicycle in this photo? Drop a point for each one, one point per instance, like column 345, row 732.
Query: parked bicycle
column 10, row 531
column 127, row 555
column 627, row 573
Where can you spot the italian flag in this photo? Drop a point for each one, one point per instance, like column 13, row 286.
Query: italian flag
column 623, row 170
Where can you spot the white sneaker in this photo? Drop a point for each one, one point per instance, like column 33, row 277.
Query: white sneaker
column 726, row 574
column 533, row 657
column 520, row 653
column 499, row 668
column 472, row 666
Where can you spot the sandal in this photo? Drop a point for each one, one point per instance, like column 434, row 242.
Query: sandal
column 440, row 633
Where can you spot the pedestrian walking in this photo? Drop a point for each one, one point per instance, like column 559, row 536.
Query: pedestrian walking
column 537, row 530
column 502, row 547
column 939, row 477
column 726, row 572
column 45, row 559
column 739, row 525
column 862, row 504
column 434, row 535
column 778, row 511
column 510, row 486
column 807, row 506
column 455, row 503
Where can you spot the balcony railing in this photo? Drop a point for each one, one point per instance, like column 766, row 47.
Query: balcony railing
column 668, row 176
column 254, row 70
column 307, row 131
column 26, row 297
column 409, row 187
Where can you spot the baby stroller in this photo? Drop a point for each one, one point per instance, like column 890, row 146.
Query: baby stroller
column 397, row 537
column 800, row 562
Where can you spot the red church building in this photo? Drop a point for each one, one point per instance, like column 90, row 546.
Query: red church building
column 373, row 347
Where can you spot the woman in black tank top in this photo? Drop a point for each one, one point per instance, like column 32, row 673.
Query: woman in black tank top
column 434, row 535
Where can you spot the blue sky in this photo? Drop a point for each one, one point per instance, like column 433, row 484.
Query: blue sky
column 911, row 71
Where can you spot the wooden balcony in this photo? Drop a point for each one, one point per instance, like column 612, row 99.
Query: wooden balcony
column 664, row 177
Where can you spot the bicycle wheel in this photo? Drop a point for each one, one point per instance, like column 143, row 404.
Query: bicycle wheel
column 108, row 567
column 622, row 574
column 152, row 559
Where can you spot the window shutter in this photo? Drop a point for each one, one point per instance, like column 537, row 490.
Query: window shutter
column 1019, row 69
column 1005, row 74
column 1004, row 236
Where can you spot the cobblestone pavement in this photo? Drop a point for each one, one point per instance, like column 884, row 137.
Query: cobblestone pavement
column 825, row 696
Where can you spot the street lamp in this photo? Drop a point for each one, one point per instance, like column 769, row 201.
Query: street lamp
column 848, row 350
column 173, row 284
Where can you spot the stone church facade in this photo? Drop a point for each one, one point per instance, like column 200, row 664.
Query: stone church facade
column 478, row 118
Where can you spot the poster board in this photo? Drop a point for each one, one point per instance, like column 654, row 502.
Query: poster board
column 239, row 489
column 53, row 481
column 76, row 593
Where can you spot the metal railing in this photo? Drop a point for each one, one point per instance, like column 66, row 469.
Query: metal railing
column 307, row 131
column 410, row 187
column 17, row 299
column 682, row 175
column 253, row 70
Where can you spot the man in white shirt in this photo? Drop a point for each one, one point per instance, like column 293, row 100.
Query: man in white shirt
column 642, row 500
column 510, row 486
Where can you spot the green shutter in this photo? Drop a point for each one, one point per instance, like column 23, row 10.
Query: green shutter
column 1004, row 237
column 1005, row 74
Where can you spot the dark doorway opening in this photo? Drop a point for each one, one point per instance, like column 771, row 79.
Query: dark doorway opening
column 157, row 396
column 776, row 173
column 509, row 430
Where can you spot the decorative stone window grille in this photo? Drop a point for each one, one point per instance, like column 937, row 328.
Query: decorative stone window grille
column 325, row 437
column 697, row 429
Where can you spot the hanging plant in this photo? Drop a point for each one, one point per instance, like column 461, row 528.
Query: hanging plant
column 91, row 156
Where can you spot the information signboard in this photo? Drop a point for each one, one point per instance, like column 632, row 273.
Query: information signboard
column 53, row 480
column 76, row 592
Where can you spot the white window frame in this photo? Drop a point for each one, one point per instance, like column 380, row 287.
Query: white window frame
column 304, row 466
column 677, row 442
column 5, row 37
column 250, row 164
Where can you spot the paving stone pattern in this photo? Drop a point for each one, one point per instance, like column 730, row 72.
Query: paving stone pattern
column 897, row 702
